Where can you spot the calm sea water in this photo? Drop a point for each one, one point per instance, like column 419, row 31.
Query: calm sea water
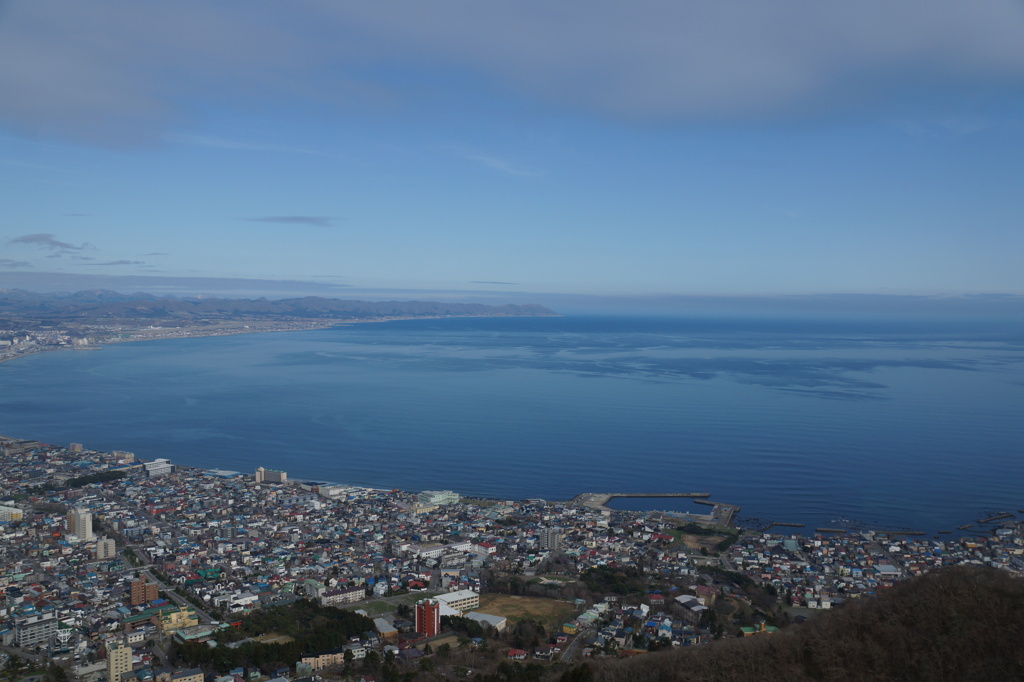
column 897, row 425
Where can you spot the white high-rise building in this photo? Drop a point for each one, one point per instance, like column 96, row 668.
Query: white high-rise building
column 80, row 524
column 158, row 467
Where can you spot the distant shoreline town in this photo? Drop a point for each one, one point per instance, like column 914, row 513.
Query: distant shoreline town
column 108, row 556
column 35, row 323
column 30, row 343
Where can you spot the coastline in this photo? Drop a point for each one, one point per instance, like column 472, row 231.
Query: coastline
column 346, row 442
column 231, row 329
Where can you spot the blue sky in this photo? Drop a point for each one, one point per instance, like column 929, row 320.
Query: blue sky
column 510, row 149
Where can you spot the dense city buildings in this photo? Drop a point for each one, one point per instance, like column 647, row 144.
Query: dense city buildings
column 200, row 549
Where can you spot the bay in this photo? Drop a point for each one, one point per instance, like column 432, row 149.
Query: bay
column 887, row 423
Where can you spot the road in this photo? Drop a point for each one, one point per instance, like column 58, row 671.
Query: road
column 576, row 645
column 204, row 617
column 21, row 653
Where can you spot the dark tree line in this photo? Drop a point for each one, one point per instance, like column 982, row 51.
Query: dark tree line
column 960, row 623
column 313, row 627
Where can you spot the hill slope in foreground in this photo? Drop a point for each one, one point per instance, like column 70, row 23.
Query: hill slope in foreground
column 959, row 624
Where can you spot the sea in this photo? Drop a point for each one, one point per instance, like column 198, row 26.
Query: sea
column 858, row 423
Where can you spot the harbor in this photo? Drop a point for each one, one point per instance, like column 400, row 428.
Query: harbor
column 721, row 514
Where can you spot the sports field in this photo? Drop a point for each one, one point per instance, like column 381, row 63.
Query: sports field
column 551, row 612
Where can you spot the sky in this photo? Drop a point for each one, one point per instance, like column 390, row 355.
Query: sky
column 514, row 150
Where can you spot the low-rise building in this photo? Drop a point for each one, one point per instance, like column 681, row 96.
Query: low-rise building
column 462, row 600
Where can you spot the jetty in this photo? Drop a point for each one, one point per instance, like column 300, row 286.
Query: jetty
column 721, row 514
column 600, row 500
column 997, row 517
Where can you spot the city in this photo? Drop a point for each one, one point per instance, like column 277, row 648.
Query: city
column 113, row 566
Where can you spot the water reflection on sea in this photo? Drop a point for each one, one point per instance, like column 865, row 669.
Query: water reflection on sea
column 799, row 422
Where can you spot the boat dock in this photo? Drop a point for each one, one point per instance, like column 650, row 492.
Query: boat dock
column 997, row 517
column 600, row 500
column 721, row 514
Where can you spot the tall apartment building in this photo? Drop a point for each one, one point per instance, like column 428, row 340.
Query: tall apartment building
column 80, row 524
column 428, row 617
column 119, row 660
column 106, row 548
column 271, row 476
column 550, row 538
column 143, row 592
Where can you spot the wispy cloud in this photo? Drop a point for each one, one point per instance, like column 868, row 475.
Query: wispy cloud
column 49, row 242
column 156, row 253
column 156, row 284
column 312, row 220
column 221, row 143
column 511, row 284
column 502, row 166
column 9, row 263
column 958, row 126
column 120, row 262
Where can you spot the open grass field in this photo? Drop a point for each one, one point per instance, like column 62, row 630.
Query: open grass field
column 550, row 612
column 698, row 541
column 378, row 607
column 273, row 638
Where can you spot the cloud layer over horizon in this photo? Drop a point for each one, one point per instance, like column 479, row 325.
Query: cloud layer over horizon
column 121, row 73
column 597, row 148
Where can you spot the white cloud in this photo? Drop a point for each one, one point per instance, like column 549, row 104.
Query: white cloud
column 123, row 72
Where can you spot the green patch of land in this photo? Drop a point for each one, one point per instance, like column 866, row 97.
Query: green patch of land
column 551, row 612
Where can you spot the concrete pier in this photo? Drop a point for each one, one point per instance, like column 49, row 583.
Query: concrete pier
column 721, row 514
column 600, row 500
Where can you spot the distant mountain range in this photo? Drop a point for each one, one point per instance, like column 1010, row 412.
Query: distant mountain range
column 102, row 305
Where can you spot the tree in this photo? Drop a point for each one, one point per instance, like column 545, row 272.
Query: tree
column 581, row 673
